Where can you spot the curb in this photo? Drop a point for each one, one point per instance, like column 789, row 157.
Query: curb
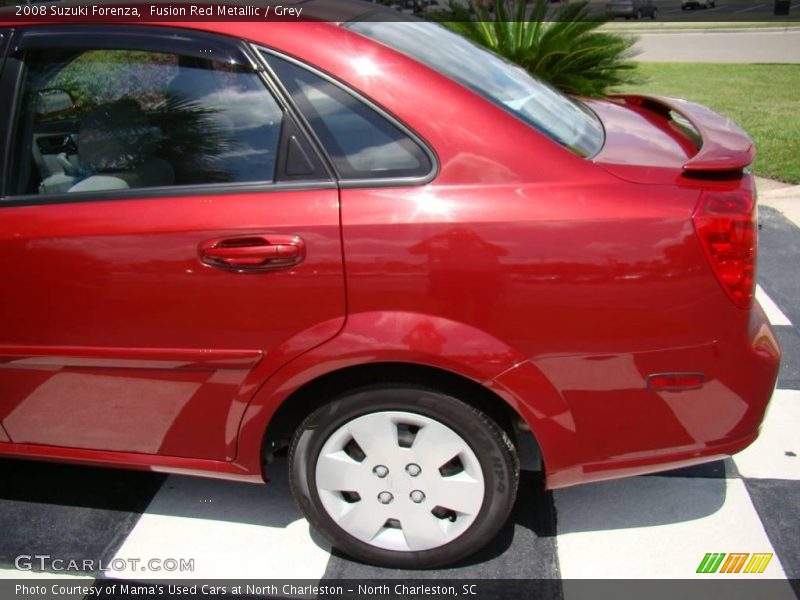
column 700, row 30
column 780, row 196
column 783, row 193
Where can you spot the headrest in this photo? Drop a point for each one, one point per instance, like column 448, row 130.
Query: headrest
column 115, row 137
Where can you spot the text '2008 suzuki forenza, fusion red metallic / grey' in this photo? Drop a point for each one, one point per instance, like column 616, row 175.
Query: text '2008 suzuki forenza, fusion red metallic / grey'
column 388, row 251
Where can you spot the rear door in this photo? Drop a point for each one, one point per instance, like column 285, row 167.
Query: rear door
column 168, row 238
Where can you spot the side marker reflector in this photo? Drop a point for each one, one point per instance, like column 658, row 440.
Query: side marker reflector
column 675, row 381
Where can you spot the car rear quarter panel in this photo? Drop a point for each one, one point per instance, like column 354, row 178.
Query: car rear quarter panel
column 521, row 253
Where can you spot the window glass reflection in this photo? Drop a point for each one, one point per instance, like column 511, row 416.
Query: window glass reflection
column 362, row 143
column 511, row 87
column 99, row 120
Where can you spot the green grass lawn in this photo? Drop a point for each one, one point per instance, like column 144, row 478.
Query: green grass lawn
column 763, row 99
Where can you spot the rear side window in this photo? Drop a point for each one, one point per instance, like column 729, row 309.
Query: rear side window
column 361, row 142
column 93, row 120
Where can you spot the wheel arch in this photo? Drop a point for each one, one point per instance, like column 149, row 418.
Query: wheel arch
column 404, row 347
column 323, row 389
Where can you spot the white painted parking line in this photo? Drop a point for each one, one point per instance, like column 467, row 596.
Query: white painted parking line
column 231, row 530
column 776, row 452
column 656, row 527
column 774, row 313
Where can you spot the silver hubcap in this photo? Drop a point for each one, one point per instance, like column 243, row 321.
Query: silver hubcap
column 400, row 481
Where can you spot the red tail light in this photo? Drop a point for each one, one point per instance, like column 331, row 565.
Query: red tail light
column 726, row 225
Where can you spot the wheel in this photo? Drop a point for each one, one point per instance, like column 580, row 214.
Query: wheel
column 654, row 14
column 403, row 477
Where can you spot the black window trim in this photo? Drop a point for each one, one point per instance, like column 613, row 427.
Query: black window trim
column 5, row 36
column 166, row 191
column 287, row 104
column 148, row 38
column 417, row 180
column 9, row 81
column 143, row 37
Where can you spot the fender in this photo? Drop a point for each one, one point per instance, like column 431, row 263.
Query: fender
column 374, row 337
column 525, row 387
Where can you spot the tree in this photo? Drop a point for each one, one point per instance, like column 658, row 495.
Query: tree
column 566, row 49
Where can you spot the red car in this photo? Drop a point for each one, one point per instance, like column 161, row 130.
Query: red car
column 378, row 247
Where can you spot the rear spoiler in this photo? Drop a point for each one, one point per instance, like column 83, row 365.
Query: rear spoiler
column 724, row 145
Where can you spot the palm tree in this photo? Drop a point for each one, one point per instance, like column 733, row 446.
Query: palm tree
column 566, row 49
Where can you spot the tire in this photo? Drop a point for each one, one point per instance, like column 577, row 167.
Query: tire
column 411, row 430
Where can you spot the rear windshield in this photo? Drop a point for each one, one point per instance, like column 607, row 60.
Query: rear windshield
column 560, row 117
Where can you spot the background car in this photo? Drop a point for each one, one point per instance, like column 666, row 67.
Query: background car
column 405, row 6
column 632, row 9
column 391, row 256
column 687, row 4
